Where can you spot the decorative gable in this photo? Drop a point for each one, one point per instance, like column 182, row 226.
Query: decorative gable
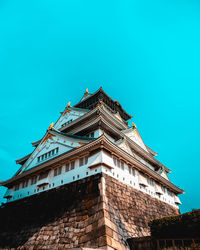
column 124, row 145
column 164, row 174
column 53, row 144
column 68, row 116
column 118, row 116
column 134, row 135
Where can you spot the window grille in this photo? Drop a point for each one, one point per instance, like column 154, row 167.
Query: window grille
column 81, row 162
column 16, row 187
column 33, row 180
column 25, row 184
column 72, row 165
column 57, row 171
column 67, row 167
column 47, row 155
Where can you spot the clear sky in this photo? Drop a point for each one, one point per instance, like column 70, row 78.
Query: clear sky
column 145, row 54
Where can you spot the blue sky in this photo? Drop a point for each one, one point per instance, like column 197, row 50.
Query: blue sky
column 145, row 54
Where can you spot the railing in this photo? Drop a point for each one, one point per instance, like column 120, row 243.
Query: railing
column 176, row 244
column 148, row 243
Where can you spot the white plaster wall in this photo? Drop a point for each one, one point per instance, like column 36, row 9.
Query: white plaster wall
column 84, row 171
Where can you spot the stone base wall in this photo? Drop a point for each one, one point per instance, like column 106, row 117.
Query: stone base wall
column 127, row 212
column 95, row 212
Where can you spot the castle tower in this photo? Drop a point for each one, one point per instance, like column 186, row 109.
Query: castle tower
column 90, row 181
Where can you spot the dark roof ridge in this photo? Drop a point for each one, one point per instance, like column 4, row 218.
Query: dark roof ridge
column 100, row 90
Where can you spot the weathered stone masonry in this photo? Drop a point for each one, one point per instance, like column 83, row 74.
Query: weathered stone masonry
column 97, row 211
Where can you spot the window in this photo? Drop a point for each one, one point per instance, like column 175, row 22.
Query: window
column 72, row 165
column 83, row 161
column 43, row 175
column 16, row 187
column 64, row 124
column 131, row 170
column 86, row 160
column 90, row 134
column 163, row 189
column 57, row 171
column 25, row 184
column 33, row 180
column 150, row 182
column 118, row 163
column 47, row 155
column 170, row 193
column 115, row 161
column 67, row 167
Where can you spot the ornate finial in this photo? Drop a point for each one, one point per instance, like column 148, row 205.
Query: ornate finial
column 68, row 104
column 51, row 126
column 86, row 91
column 134, row 124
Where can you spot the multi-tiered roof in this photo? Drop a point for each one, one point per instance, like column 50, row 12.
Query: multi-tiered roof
column 94, row 132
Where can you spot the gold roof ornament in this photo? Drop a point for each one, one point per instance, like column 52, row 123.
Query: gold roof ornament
column 86, row 91
column 68, row 104
column 51, row 126
column 134, row 124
